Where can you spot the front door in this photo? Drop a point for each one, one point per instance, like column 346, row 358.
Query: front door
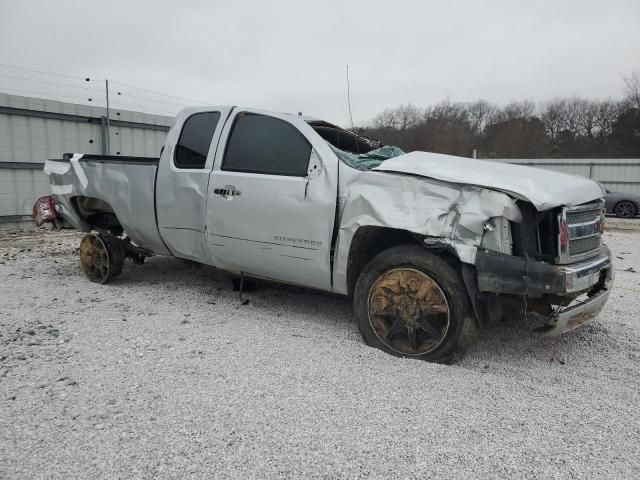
column 271, row 201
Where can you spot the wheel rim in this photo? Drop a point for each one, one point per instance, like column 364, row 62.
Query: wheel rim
column 408, row 311
column 625, row 209
column 94, row 258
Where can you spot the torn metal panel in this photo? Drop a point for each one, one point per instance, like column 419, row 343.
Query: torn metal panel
column 443, row 213
column 497, row 236
column 543, row 188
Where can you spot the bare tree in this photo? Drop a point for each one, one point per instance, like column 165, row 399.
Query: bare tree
column 632, row 89
column 479, row 113
column 565, row 127
column 400, row 118
column 385, row 119
column 585, row 116
column 553, row 116
column 446, row 112
column 608, row 112
column 514, row 110
column 408, row 116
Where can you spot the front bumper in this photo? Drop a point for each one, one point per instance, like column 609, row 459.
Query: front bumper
column 575, row 315
column 591, row 279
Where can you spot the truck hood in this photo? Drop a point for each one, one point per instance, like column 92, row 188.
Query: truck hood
column 545, row 189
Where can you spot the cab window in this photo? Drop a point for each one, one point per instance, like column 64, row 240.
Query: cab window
column 267, row 145
column 193, row 145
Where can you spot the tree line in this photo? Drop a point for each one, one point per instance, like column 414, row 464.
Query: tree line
column 561, row 128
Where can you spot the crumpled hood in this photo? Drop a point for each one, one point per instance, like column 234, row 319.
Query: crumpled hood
column 545, row 189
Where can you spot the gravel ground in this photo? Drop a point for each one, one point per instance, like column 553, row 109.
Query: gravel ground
column 163, row 373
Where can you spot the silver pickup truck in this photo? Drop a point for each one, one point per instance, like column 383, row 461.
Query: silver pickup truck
column 430, row 247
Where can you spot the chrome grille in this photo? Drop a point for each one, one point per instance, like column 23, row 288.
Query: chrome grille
column 582, row 217
column 583, row 245
column 580, row 232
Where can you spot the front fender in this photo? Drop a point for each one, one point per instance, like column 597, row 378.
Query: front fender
column 442, row 213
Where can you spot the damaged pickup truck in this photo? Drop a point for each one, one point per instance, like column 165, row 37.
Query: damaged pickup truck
column 430, row 247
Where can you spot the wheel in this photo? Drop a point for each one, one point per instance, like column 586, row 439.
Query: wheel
column 625, row 209
column 101, row 257
column 412, row 303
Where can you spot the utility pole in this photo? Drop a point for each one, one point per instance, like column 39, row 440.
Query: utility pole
column 106, row 147
column 108, row 139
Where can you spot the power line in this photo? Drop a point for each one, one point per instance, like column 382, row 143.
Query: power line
column 143, row 107
column 100, row 80
column 67, row 85
column 40, row 71
column 151, row 99
column 160, row 93
column 139, row 107
column 50, row 83
column 46, row 82
column 47, row 94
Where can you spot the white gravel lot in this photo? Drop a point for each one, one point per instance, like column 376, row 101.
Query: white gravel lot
column 163, row 374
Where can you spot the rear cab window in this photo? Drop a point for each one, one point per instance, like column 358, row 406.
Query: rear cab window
column 195, row 139
column 266, row 145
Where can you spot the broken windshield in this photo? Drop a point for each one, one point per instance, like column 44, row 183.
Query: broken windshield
column 357, row 151
column 369, row 160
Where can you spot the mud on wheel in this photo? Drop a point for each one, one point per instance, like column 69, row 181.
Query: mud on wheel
column 101, row 257
column 412, row 303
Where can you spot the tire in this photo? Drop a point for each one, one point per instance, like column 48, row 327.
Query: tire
column 625, row 209
column 412, row 303
column 101, row 257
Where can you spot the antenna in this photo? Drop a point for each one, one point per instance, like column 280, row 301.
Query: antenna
column 349, row 97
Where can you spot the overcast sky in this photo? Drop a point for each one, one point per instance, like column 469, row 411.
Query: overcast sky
column 291, row 55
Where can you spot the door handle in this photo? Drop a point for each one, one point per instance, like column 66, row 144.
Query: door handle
column 227, row 191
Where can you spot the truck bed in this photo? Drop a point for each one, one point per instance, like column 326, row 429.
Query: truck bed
column 92, row 188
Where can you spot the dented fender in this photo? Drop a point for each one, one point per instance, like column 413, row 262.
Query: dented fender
column 443, row 213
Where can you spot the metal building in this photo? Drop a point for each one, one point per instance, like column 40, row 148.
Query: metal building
column 35, row 129
column 616, row 174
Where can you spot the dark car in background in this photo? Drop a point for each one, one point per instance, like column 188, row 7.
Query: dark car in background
column 623, row 205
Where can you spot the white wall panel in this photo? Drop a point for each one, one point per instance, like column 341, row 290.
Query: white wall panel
column 32, row 139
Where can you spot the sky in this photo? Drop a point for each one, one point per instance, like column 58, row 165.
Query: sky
column 291, row 56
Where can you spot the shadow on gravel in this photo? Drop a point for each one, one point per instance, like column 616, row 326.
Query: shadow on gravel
column 208, row 284
column 171, row 271
column 514, row 342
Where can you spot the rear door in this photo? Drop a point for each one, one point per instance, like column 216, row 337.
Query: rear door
column 183, row 179
column 272, row 200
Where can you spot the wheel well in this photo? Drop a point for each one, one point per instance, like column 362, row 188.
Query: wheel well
column 98, row 214
column 370, row 241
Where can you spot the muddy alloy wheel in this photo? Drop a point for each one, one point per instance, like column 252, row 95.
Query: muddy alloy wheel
column 412, row 302
column 408, row 311
column 625, row 209
column 101, row 258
